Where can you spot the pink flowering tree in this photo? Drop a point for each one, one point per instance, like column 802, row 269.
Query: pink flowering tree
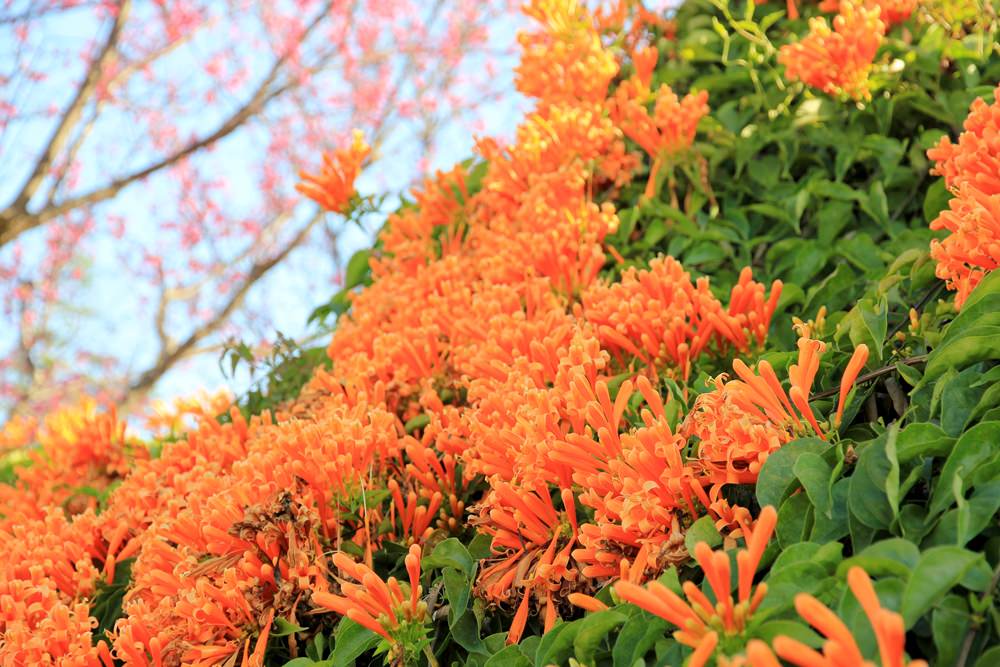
column 149, row 150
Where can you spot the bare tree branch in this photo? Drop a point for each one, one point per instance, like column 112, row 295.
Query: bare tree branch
column 171, row 355
column 65, row 126
column 16, row 219
column 119, row 79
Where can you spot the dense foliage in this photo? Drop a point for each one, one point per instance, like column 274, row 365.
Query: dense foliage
column 701, row 369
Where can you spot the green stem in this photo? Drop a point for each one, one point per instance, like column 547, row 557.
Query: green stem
column 970, row 636
column 429, row 654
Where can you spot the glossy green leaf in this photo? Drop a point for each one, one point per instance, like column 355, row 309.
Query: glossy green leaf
column 594, row 629
column 777, row 476
column 350, row 641
column 938, row 570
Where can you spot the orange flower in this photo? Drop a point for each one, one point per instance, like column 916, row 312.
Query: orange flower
column 534, row 546
column 671, row 128
column 333, row 187
column 564, row 61
column 697, row 618
column 858, row 360
column 970, row 169
column 742, row 421
column 837, row 61
column 659, row 315
column 382, row 607
column 840, row 649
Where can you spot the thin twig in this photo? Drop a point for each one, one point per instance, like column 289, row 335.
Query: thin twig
column 885, row 370
column 970, row 636
column 931, row 293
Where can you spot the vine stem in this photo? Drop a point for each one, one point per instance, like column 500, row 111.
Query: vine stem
column 885, row 370
column 970, row 636
column 919, row 306
column 429, row 654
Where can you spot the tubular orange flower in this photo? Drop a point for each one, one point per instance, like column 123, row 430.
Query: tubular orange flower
column 660, row 316
column 858, row 360
column 837, row 61
column 840, row 649
column 970, row 169
column 759, row 654
column 564, row 61
column 382, row 607
column 586, row 602
column 534, row 553
column 668, row 131
column 333, row 187
column 697, row 616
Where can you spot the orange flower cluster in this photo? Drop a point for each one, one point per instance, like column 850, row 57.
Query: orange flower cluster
column 48, row 574
column 168, row 419
column 971, row 170
column 700, row 622
column 565, row 62
column 333, row 187
column 672, row 320
column 840, row 647
column 837, row 61
column 713, row 627
column 669, row 131
column 742, row 421
column 382, row 607
column 77, row 455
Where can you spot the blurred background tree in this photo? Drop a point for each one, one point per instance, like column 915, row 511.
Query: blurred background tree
column 148, row 152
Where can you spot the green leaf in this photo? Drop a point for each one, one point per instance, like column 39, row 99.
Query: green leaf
column 457, row 588
column 509, row 656
column 977, row 343
column 316, row 647
column 959, row 398
column 557, row 644
column 936, row 200
column 949, row 625
column 798, row 631
column 636, row 638
column 833, row 527
column 892, row 557
column 976, row 447
column 350, row 641
column 480, row 546
column 938, row 570
column 308, row 662
column 357, row 270
column 451, row 553
column 702, row 530
column 416, row 422
column 107, row 602
column 922, row 439
column 465, row 631
column 794, row 520
column 814, row 474
column 867, row 498
column 284, row 627
column 979, row 512
column 876, row 205
column 892, row 479
column 832, row 190
column 594, row 629
column 870, row 325
column 778, row 474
